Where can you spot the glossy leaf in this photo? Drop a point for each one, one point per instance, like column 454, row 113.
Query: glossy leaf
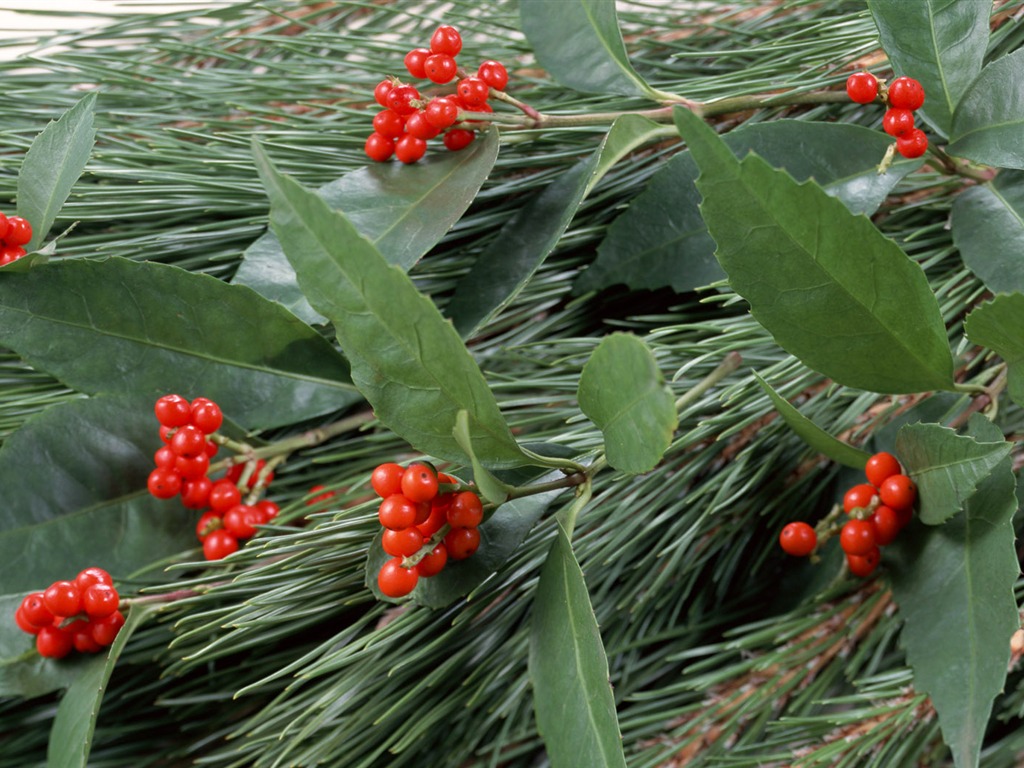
column 402, row 209
column 661, row 240
column 997, row 325
column 622, row 391
column 76, row 469
column 406, row 359
column 500, row 536
column 954, row 587
column 572, row 695
column 939, row 43
column 988, row 228
column 947, row 467
column 989, row 120
column 73, row 727
column 579, row 43
column 491, row 488
column 502, row 270
column 152, row 328
column 816, row 437
column 52, row 165
column 829, row 287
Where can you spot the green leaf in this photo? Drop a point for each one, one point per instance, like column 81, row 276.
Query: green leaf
column 406, row 359
column 939, row 43
column 996, row 324
column 947, row 467
column 816, row 437
column 402, row 209
column 73, row 727
column 502, row 270
column 579, row 43
column 500, row 536
column 572, row 695
column 989, row 120
column 152, row 328
column 988, row 228
column 52, row 165
column 491, row 488
column 954, row 587
column 622, row 391
column 829, row 287
column 76, row 469
column 661, row 240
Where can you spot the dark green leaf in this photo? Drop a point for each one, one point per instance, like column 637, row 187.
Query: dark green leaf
column 572, row 695
column 829, row 287
column 579, row 43
column 402, row 209
column 502, row 270
column 491, row 488
column 622, row 390
column 947, row 467
column 939, row 43
column 123, row 326
column 406, row 359
column 661, row 240
column 52, row 165
column 988, row 228
column 997, row 324
column 816, row 437
column 989, row 120
column 954, row 587
column 73, row 727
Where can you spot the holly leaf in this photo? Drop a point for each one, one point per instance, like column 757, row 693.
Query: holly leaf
column 816, row 437
column 828, row 286
column 947, row 467
column 940, row 44
column 52, row 165
column 502, row 270
column 572, row 695
column 996, row 324
column 622, row 391
column 954, row 585
column 989, row 120
column 406, row 359
column 988, row 229
column 661, row 240
column 404, row 210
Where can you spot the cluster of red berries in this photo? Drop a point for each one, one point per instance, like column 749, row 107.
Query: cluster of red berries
column 182, row 467
column 904, row 96
column 81, row 614
column 424, row 524
column 15, row 232
column 407, row 122
column 878, row 510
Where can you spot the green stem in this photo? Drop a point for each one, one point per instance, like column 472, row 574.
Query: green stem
column 569, row 481
column 728, row 365
column 567, row 517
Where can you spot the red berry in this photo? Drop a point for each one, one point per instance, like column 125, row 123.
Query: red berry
column 419, row 483
column 857, row 537
column 906, row 93
column 880, row 466
column 397, row 512
column 173, row 411
column 83, row 640
column 192, row 469
column 53, row 643
column 105, row 630
column 396, row 581
column 402, row 543
column 898, row 122
column 206, row 415
column 380, row 93
column 100, row 600
column 269, row 508
column 23, row 623
column 63, row 598
column 441, row 112
column 224, row 495
column 473, row 91
column 862, row 87
column 238, row 521
column 436, row 519
column 418, row 126
column 905, row 516
column 195, row 494
column 319, row 497
column 898, row 492
column 19, row 231
column 208, row 523
column 912, row 144
column 386, row 479
column 409, row 149
column 165, row 457
column 446, row 39
column 462, row 542
column 466, row 511
column 440, row 68
column 9, row 253
column 864, row 565
column 798, row 539
column 164, row 483
column 211, row 448
column 189, row 442
column 388, row 124
column 414, row 61
column 236, row 471
column 399, row 99
column 3, row 226
column 457, row 139
column 379, row 148
column 433, row 563
column 33, row 606
column 92, row 575
column 494, row 74
column 887, row 524
column 859, row 497
column 219, row 544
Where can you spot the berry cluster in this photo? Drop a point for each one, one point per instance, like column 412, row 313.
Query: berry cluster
column 183, row 465
column 407, row 122
column 81, row 614
column 15, row 232
column 878, row 510
column 904, row 96
column 425, row 524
